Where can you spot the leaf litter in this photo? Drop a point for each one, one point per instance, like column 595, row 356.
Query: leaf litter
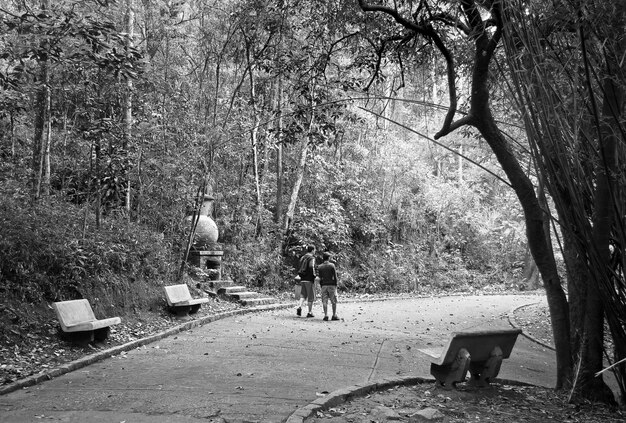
column 499, row 402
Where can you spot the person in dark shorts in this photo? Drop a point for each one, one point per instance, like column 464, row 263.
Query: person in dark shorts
column 328, row 282
column 307, row 277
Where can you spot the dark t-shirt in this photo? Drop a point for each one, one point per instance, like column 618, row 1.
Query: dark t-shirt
column 327, row 273
column 309, row 273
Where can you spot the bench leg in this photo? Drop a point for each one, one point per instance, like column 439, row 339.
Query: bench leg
column 194, row 308
column 485, row 372
column 447, row 376
column 81, row 337
column 180, row 311
column 99, row 335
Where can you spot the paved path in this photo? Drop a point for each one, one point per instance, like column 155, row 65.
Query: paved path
column 263, row 366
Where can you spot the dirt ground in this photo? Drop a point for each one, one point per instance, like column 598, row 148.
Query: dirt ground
column 498, row 403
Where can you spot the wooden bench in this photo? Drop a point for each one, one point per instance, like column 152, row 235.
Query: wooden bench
column 179, row 300
column 78, row 323
column 479, row 352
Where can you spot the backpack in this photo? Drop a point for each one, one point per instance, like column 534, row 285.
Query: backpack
column 304, row 265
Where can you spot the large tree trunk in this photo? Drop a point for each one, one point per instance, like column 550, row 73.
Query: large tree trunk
column 537, row 242
column 577, row 278
column 534, row 216
column 588, row 385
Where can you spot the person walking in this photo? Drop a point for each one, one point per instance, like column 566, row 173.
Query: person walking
column 328, row 282
column 307, row 279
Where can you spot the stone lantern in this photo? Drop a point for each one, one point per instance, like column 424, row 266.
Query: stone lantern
column 205, row 251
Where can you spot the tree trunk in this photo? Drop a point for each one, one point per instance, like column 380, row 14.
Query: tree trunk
column 279, row 154
column 291, row 208
column 460, row 167
column 128, row 106
column 257, row 179
column 587, row 384
column 254, row 138
column 537, row 238
column 530, row 273
column 577, row 277
column 42, row 112
column 98, row 188
column 483, row 120
column 47, row 144
column 12, row 133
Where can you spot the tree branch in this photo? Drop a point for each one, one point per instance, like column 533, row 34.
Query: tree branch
column 428, row 32
column 453, row 126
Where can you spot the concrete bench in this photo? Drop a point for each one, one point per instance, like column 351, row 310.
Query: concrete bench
column 179, row 300
column 479, row 352
column 78, row 323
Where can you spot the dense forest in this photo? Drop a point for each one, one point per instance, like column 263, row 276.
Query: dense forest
column 431, row 146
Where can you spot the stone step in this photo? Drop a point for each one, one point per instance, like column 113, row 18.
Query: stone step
column 215, row 285
column 243, row 295
column 231, row 290
column 257, row 301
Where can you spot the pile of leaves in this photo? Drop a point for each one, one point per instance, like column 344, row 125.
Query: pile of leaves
column 497, row 403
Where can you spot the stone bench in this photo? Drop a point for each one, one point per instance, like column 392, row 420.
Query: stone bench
column 78, row 322
column 179, row 300
column 479, row 352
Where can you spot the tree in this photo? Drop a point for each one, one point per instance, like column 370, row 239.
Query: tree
column 41, row 141
column 481, row 24
column 61, row 43
column 128, row 103
column 576, row 145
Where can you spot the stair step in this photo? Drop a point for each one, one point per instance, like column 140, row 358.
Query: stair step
column 257, row 301
column 232, row 290
column 215, row 285
column 244, row 295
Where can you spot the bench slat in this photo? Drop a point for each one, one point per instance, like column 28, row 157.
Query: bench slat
column 177, row 293
column 193, row 301
column 93, row 325
column 73, row 312
column 479, row 344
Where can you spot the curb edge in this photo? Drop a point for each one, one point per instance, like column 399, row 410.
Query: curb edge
column 511, row 318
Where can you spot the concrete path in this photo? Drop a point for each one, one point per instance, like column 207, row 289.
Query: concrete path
column 263, row 366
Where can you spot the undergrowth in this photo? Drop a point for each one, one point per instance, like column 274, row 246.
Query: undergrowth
column 53, row 251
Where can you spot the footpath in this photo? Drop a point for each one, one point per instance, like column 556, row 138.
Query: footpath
column 268, row 366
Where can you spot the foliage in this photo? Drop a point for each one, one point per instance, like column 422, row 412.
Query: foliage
column 47, row 254
column 389, row 205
